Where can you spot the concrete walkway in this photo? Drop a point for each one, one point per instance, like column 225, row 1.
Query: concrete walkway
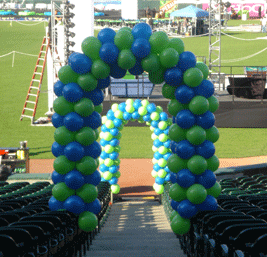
column 136, row 228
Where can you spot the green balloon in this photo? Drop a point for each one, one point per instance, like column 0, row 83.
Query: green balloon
column 173, row 214
column 62, row 165
column 213, row 104
column 169, row 57
column 204, row 68
column 62, row 106
column 118, row 136
column 126, row 59
column 67, row 75
column 177, row 44
column 162, row 173
column 123, row 39
column 115, row 189
column 157, row 77
column 212, row 134
column 99, row 108
column 125, row 28
column 87, row 192
column 154, row 116
column 196, row 194
column 193, row 77
column 100, row 69
column 175, row 163
column 87, row 82
column 174, row 107
column 196, row 135
column 179, row 225
column 117, row 162
column 213, row 163
column 61, row 192
column 177, row 193
column 91, row 47
column 158, row 41
column 197, row 164
column 87, row 221
column 117, row 149
column 63, row 136
column 163, row 125
column 84, row 107
column 159, row 189
column 85, row 136
column 176, row 133
column 215, row 191
column 151, row 63
column 117, row 174
column 87, row 165
column 107, row 136
column 96, row 134
column 168, row 91
column 109, row 149
column 199, row 105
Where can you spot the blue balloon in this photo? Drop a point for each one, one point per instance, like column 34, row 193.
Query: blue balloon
column 206, row 120
column 74, row 179
column 93, row 179
column 173, row 76
column 117, row 122
column 185, row 178
column 156, row 167
column 58, row 88
column 122, row 107
column 184, row 149
column 157, row 131
column 57, row 149
column 157, row 143
column 135, row 115
column 103, row 83
column 167, row 156
column 103, row 180
column 74, row 204
column 93, row 121
column 137, row 69
column 74, row 151
column 166, row 168
column 109, row 53
column 154, row 123
column 141, row 48
column 104, row 155
column 167, row 143
column 113, row 155
column 116, row 71
column 207, row 179
column 93, row 150
column 174, row 204
column 159, row 180
column 127, row 115
column 113, row 181
column 96, row 96
column 210, row 204
column 94, row 207
column 146, row 118
column 151, row 108
column 114, row 142
column 54, row 204
column 173, row 146
column 142, row 30
column 110, row 115
column 163, row 116
column 186, row 60
column 206, row 149
column 184, row 94
column 72, row 92
column 106, row 35
column 103, row 142
column 114, row 132
column 103, row 168
column 104, row 128
column 80, row 63
column 173, row 177
column 206, row 89
column 157, row 155
column 57, row 120
column 186, row 209
column 113, row 169
column 168, row 177
column 73, row 121
column 166, row 131
column 137, row 103
column 173, row 119
column 57, row 178
column 185, row 119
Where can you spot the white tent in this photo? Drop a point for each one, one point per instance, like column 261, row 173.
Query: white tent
column 113, row 7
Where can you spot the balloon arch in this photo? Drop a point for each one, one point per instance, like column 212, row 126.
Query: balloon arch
column 78, row 105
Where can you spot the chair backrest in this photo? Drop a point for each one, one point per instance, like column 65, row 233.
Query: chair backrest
column 256, row 213
column 47, row 226
column 259, row 246
column 8, row 246
column 10, row 217
column 35, row 231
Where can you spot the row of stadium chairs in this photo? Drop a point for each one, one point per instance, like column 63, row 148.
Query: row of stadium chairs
column 29, row 228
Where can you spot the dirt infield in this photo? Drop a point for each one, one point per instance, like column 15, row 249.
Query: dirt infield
column 136, row 176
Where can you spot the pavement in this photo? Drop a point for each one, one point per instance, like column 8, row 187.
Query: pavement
column 136, row 227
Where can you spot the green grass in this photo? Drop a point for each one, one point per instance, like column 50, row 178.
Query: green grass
column 234, row 23
column 135, row 142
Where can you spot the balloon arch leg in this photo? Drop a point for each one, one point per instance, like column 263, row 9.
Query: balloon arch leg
column 183, row 144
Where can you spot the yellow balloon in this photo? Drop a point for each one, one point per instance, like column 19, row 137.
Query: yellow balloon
column 104, row 119
column 154, row 161
column 154, row 173
column 115, row 189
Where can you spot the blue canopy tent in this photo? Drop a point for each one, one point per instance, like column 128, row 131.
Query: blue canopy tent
column 190, row 11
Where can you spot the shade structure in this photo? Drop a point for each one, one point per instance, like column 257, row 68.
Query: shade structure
column 190, row 11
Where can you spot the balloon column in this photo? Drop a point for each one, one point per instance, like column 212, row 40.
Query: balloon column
column 77, row 119
column 110, row 134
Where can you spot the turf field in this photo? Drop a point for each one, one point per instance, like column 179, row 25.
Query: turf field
column 15, row 82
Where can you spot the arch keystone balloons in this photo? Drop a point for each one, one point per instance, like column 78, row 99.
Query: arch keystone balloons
column 184, row 154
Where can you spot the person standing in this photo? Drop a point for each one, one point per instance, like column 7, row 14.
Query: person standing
column 263, row 24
